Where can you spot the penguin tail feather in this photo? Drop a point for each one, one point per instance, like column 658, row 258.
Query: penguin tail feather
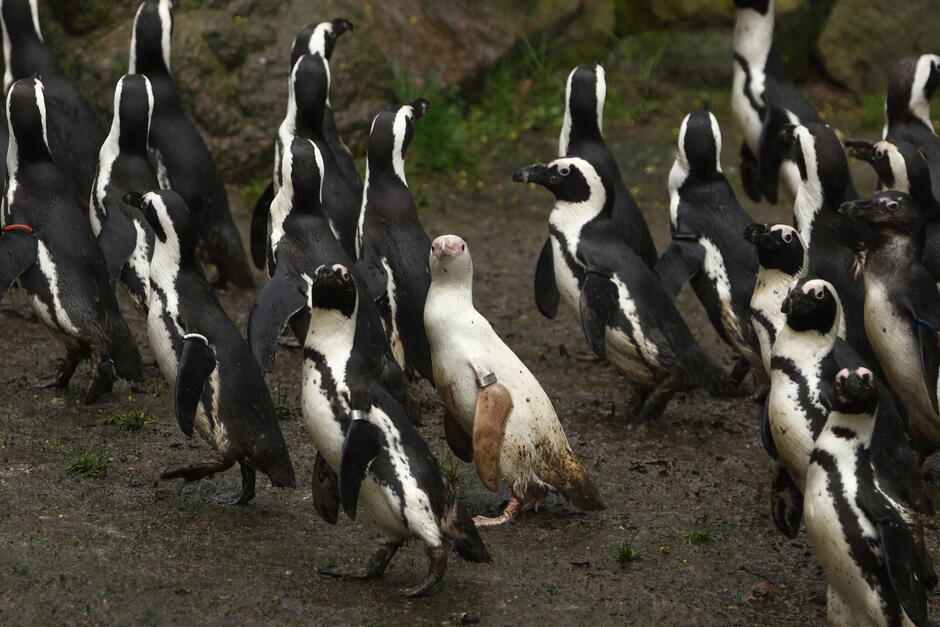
column 196, row 472
column 458, row 527
column 569, row 476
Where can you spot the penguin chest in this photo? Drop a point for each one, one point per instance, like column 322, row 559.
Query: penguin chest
column 322, row 398
column 721, row 296
column 390, row 314
column 766, row 318
column 567, row 282
column 794, row 396
column 208, row 423
column 628, row 347
column 165, row 336
column 43, row 285
column 137, row 272
column 747, row 92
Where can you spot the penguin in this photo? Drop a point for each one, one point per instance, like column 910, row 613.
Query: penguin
column 54, row 255
column 907, row 109
column 875, row 571
column 495, row 412
column 124, row 165
column 391, row 244
column 783, row 260
column 626, row 314
column 901, row 301
column 706, row 222
column 75, row 128
column 184, row 163
column 582, row 135
column 220, row 391
column 804, row 360
column 385, row 467
column 301, row 241
column 313, row 39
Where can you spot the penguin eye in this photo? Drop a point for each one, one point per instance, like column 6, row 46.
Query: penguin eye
column 564, row 170
column 879, row 153
column 820, row 294
column 892, row 206
column 787, row 237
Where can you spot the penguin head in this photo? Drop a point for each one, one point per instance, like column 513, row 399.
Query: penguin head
column 585, row 94
column 310, row 91
column 913, row 83
column 150, row 41
column 450, row 258
column 333, row 287
column 761, row 6
column 812, row 305
column 171, row 221
column 779, row 247
column 855, row 391
column 302, row 172
column 887, row 212
column 391, row 135
column 133, row 108
column 319, row 39
column 570, row 179
column 820, row 156
column 26, row 119
column 700, row 145
column 20, row 18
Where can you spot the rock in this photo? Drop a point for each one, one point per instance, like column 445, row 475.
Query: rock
column 864, row 39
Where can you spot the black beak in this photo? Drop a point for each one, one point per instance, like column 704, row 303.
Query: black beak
column 135, row 199
column 538, row 173
column 753, row 232
column 857, row 208
column 341, row 25
column 861, row 149
column 420, row 107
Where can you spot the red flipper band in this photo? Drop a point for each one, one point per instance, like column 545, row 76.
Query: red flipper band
column 18, row 227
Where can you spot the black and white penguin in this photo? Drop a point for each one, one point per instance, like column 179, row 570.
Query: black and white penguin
column 60, row 265
column 220, row 391
column 900, row 167
column 907, row 109
column 706, row 222
column 626, row 314
column 392, row 246
column 124, row 165
column 804, row 360
column 495, row 412
column 901, row 305
column 582, row 135
column 75, row 128
column 184, row 163
column 875, row 570
column 783, row 260
column 385, row 467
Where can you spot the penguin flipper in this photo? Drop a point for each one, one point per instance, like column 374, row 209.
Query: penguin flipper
column 18, row 250
column 363, row 444
column 750, row 179
column 117, row 240
column 786, row 502
column 680, row 262
column 324, row 490
column 197, row 361
column 929, row 358
column 771, row 152
column 598, row 303
column 494, row 404
column 276, row 303
column 259, row 226
column 546, row 290
column 766, row 435
column 459, row 441
column 902, row 558
column 373, row 276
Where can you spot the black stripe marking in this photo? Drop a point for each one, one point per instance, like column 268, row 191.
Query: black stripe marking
column 817, row 417
column 758, row 106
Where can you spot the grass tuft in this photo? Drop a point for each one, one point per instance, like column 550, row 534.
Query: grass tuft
column 627, row 552
column 132, row 421
column 450, row 467
column 282, row 408
column 90, row 464
column 698, row 537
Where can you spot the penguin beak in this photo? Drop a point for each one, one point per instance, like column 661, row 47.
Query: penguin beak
column 420, row 107
column 861, row 149
column 341, row 25
column 857, row 208
column 538, row 173
column 754, row 232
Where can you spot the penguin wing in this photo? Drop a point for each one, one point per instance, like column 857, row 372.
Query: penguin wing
column 905, row 566
column 459, row 441
column 924, row 300
column 363, row 443
column 546, row 290
column 494, row 404
column 771, row 151
column 373, row 275
column 197, row 361
column 18, row 250
column 598, row 304
column 681, row 261
column 259, row 226
column 118, row 238
column 159, row 166
column 276, row 303
column 786, row 502
column 324, row 490
column 929, row 358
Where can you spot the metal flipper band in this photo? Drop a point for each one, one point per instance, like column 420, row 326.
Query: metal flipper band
column 196, row 336
column 486, row 380
column 929, row 326
column 18, row 227
column 358, row 414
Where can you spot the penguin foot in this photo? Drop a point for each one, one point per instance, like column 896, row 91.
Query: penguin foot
column 509, row 514
column 66, row 369
column 656, row 402
column 101, row 384
column 437, row 564
column 375, row 567
column 247, row 493
column 740, row 370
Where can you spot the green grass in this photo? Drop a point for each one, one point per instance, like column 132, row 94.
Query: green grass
column 698, row 537
column 450, row 467
column 626, row 550
column 871, row 113
column 89, row 463
column 252, row 190
column 133, row 420
column 282, row 408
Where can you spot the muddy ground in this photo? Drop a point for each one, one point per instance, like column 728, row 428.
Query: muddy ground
column 126, row 549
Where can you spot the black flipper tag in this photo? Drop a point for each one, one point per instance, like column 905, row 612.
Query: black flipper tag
column 259, row 226
column 197, row 361
column 786, row 502
column 766, row 435
column 771, row 152
column 546, row 290
column 598, row 303
column 362, row 444
column 18, row 250
column 374, row 277
column 118, row 238
column 681, row 261
column 929, row 358
column 276, row 303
